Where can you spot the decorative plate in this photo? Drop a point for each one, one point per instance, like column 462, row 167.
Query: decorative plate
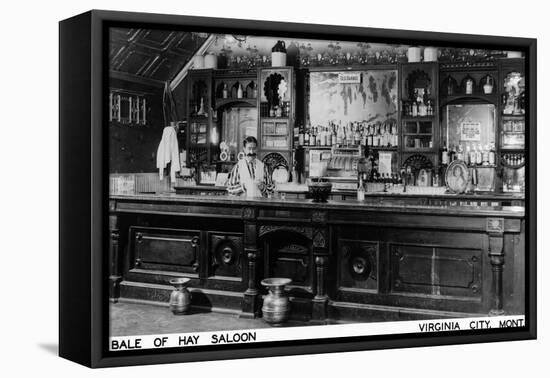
column 457, row 177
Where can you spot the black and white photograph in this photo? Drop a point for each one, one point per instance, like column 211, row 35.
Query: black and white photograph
column 276, row 188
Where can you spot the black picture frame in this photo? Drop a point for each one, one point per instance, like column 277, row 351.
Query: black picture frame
column 84, row 231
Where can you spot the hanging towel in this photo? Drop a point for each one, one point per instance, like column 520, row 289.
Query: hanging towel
column 168, row 152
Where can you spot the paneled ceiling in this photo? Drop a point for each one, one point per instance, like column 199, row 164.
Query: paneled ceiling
column 151, row 55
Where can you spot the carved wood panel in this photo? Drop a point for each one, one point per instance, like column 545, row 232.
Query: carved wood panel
column 288, row 255
column 358, row 264
column 225, row 255
column 164, row 249
column 436, row 270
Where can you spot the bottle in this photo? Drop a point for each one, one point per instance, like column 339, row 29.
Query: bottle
column 479, row 155
column 255, row 90
column 333, row 136
column 451, row 153
column 492, row 154
column 360, row 190
column 301, row 137
column 306, row 138
column 224, row 91
column 444, row 155
column 469, row 156
column 240, row 91
column 460, row 153
column 485, row 155
column 313, row 137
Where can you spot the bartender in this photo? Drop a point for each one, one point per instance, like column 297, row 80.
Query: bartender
column 250, row 176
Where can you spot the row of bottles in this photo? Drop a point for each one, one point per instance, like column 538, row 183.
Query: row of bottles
column 237, row 91
column 471, row 154
column 513, row 160
column 379, row 134
column 468, row 86
column 396, row 181
column 421, row 105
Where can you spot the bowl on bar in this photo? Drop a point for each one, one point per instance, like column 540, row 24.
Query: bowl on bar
column 319, row 189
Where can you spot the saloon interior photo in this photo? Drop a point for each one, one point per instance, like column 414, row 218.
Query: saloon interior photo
column 268, row 181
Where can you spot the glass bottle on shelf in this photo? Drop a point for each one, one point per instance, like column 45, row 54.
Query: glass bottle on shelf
column 485, row 155
column 479, row 155
column 460, row 153
column 444, row 155
column 240, row 91
column 468, row 85
column 361, row 189
column 449, row 87
column 254, row 90
column 492, row 159
column 224, row 90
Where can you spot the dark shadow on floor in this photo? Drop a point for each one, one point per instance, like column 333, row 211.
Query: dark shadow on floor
column 51, row 348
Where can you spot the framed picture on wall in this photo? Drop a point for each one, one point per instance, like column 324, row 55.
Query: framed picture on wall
column 405, row 215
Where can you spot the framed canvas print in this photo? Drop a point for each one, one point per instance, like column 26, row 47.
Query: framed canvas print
column 373, row 188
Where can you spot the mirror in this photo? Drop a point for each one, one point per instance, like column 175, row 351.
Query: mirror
column 469, row 125
column 353, row 96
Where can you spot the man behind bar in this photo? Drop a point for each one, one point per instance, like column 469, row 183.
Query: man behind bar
column 250, row 176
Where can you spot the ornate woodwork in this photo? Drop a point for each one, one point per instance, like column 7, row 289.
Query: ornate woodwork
column 345, row 261
column 165, row 249
column 495, row 231
column 114, row 257
column 225, row 255
column 358, row 267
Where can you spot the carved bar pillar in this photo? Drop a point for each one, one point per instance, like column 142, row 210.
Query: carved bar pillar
column 320, row 255
column 114, row 256
column 251, row 300
column 495, row 230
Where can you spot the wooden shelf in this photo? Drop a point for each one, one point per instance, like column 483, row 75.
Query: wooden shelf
column 315, row 147
column 275, row 118
column 387, row 148
column 513, row 116
column 424, row 150
column 491, row 98
column 252, row 102
column 266, row 148
column 512, row 149
column 423, row 118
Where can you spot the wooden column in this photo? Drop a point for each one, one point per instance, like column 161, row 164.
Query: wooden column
column 495, row 230
column 320, row 255
column 251, row 300
column 114, row 255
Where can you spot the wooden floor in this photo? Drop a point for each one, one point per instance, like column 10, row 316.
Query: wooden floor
column 132, row 319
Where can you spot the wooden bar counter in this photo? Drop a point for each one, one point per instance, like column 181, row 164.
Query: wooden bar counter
column 348, row 260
